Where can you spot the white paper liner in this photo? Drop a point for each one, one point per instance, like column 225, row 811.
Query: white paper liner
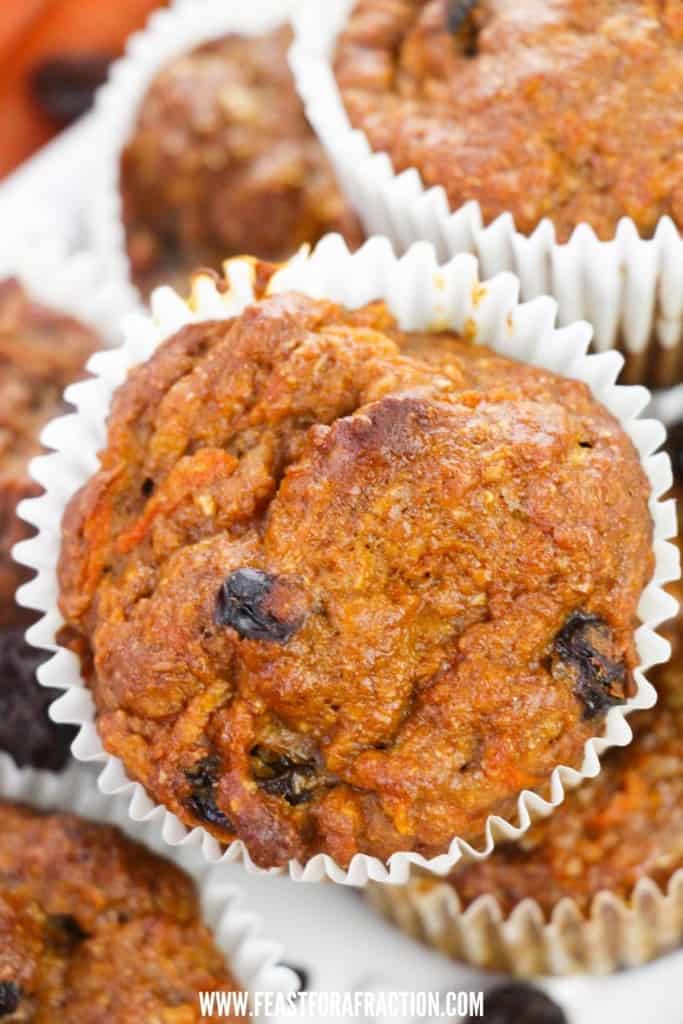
column 630, row 289
column 420, row 293
column 614, row 934
column 253, row 960
column 168, row 33
column 68, row 282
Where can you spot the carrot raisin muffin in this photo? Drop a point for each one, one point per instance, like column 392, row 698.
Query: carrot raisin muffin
column 340, row 589
column 567, row 109
column 94, row 928
column 222, row 161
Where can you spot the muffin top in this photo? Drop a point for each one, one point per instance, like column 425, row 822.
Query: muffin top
column 94, row 928
column 567, row 109
column 222, row 161
column 41, row 351
column 338, row 588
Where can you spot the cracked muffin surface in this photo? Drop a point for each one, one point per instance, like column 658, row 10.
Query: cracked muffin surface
column 341, row 589
column 567, row 109
column 222, row 161
column 95, row 927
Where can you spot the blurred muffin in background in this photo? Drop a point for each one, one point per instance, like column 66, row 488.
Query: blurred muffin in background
column 222, row 161
column 41, row 352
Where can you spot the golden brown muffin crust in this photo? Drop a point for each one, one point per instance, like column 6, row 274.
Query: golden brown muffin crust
column 94, row 928
column 222, row 161
column 567, row 109
column 332, row 596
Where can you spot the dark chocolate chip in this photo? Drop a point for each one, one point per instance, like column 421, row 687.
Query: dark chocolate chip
column 600, row 682
column 64, row 86
column 280, row 775
column 674, row 446
column 519, row 1004
column 10, row 997
column 201, row 800
column 26, row 731
column 147, row 487
column 457, row 12
column 240, row 603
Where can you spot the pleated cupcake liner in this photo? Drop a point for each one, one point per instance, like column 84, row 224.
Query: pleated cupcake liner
column 421, row 294
column 614, row 934
column 169, row 33
column 630, row 288
column 252, row 959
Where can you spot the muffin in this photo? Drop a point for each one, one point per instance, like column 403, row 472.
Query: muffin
column 41, row 351
column 95, row 928
column 222, row 161
column 568, row 110
column 340, row 589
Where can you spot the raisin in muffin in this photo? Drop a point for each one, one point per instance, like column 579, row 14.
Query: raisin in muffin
column 340, row 589
column 41, row 351
column 94, row 928
column 568, row 110
column 625, row 825
column 222, row 161
column 622, row 826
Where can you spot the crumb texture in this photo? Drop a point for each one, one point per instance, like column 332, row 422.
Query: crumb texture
column 94, row 928
column 625, row 825
column 567, row 109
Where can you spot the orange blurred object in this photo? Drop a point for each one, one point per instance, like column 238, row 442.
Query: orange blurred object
column 33, row 32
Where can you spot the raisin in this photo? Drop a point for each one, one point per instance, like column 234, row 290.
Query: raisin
column 65, row 86
column 240, row 603
column 26, row 731
column 10, row 997
column 147, row 487
column 457, row 12
column 280, row 775
column 520, row 1004
column 674, row 446
column 201, row 801
column 66, row 932
column 601, row 682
